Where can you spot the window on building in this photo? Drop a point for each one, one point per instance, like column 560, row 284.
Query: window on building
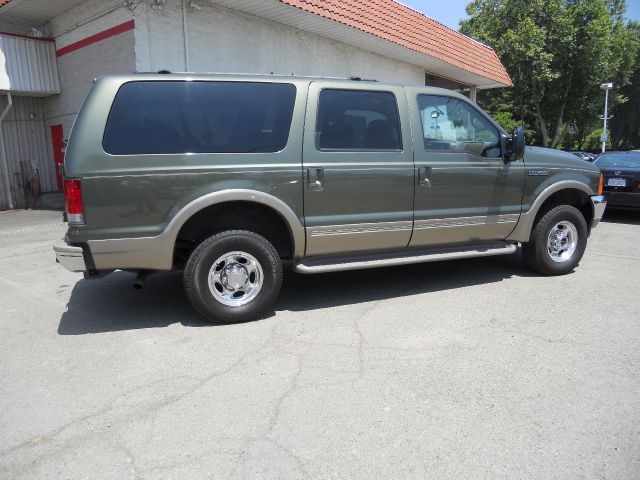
column 173, row 117
column 452, row 124
column 358, row 120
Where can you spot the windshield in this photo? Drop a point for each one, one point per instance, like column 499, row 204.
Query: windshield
column 619, row 160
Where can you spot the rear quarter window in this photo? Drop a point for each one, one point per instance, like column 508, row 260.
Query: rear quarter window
column 174, row 117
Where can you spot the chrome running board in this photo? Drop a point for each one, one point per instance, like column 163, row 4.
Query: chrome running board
column 324, row 265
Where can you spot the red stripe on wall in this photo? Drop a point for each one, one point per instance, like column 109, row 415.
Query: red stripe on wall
column 98, row 37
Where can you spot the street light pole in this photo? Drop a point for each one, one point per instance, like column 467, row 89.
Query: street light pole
column 604, row 137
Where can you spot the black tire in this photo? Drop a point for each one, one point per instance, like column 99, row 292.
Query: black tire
column 536, row 251
column 201, row 260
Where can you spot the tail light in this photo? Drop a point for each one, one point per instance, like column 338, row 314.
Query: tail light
column 600, row 183
column 73, row 202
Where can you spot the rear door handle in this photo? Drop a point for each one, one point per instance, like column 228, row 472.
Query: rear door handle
column 424, row 177
column 315, row 179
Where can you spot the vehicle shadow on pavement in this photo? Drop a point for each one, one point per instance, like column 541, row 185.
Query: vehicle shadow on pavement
column 111, row 304
column 627, row 217
column 309, row 292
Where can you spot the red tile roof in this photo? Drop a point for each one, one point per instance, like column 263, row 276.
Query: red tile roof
column 397, row 23
column 404, row 26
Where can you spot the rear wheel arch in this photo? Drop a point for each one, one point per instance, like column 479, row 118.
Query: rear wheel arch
column 262, row 213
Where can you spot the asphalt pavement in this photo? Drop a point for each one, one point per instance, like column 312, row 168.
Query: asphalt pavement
column 465, row 369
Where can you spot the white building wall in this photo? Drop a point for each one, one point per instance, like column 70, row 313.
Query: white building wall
column 220, row 40
column 78, row 69
column 225, row 40
column 88, row 18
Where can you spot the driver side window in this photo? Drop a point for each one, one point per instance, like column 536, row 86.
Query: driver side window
column 452, row 124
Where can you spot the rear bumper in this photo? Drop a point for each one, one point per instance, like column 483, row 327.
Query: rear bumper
column 623, row 199
column 599, row 204
column 71, row 258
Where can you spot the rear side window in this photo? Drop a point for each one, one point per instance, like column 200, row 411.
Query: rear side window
column 176, row 117
column 357, row 120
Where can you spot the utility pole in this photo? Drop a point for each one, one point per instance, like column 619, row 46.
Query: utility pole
column 604, row 137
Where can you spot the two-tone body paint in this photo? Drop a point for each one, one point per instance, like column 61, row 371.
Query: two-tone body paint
column 368, row 201
column 138, row 196
column 364, row 199
column 461, row 197
column 548, row 171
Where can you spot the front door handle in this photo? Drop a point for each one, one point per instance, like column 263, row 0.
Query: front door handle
column 315, row 179
column 424, row 177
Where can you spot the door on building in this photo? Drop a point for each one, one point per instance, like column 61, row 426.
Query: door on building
column 358, row 166
column 57, row 139
column 465, row 192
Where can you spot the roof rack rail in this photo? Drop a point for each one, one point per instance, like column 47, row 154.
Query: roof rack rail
column 164, row 72
column 359, row 79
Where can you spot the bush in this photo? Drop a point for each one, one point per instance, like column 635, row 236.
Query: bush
column 592, row 142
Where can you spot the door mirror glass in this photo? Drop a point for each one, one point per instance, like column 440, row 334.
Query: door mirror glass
column 516, row 150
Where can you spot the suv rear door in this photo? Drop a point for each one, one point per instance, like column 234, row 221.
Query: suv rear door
column 358, row 168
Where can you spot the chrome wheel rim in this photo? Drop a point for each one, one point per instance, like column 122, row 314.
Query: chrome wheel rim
column 562, row 241
column 235, row 278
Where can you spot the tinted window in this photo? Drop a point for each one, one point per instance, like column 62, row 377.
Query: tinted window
column 452, row 124
column 199, row 117
column 619, row 160
column 357, row 120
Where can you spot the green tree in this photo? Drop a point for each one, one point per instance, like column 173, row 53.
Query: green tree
column 557, row 52
column 625, row 124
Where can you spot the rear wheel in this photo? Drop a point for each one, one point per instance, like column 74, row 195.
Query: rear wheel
column 234, row 276
column 557, row 242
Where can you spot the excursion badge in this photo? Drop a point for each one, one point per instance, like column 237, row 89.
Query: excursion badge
column 538, row 173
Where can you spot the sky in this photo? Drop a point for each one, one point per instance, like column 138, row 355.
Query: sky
column 450, row 12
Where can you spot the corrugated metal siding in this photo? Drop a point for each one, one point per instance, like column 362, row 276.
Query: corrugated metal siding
column 28, row 66
column 26, row 141
column 18, row 16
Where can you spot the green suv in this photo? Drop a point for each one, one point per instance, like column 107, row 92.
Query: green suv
column 233, row 178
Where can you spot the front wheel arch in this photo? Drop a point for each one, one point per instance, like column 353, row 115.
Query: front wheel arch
column 565, row 192
column 569, row 196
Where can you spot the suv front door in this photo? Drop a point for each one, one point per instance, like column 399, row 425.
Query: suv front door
column 466, row 193
column 358, row 168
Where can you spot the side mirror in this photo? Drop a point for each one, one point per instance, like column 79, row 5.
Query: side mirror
column 517, row 144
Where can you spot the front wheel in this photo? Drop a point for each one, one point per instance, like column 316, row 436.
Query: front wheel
column 557, row 242
column 232, row 277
